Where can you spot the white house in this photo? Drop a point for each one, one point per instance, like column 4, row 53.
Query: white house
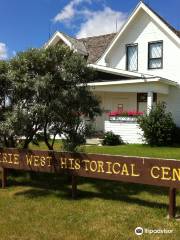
column 137, row 67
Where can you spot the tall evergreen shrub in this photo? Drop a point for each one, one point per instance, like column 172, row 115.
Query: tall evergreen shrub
column 158, row 126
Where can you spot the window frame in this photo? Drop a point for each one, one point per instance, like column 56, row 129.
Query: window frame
column 149, row 58
column 131, row 45
column 144, row 94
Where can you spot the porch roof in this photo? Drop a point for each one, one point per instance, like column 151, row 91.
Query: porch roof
column 155, row 84
column 120, row 72
column 133, row 81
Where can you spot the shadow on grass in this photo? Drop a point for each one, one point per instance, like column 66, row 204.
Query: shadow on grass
column 60, row 186
column 42, row 184
column 104, row 188
column 34, row 193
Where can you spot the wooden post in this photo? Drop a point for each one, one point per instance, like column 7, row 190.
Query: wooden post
column 172, row 202
column 74, row 187
column 4, row 177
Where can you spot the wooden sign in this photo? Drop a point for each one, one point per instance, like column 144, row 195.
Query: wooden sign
column 150, row 171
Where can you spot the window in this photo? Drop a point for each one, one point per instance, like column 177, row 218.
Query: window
column 155, row 55
column 132, row 57
column 142, row 97
column 142, row 101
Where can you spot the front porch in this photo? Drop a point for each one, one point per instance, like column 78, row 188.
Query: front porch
column 122, row 96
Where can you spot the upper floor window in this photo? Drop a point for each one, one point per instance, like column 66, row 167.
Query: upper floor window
column 132, row 57
column 155, row 55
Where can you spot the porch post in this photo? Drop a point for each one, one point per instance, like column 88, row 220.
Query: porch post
column 149, row 101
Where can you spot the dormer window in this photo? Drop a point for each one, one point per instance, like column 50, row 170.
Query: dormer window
column 132, row 57
column 155, row 55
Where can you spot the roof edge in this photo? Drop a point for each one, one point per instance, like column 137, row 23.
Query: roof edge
column 120, row 72
column 149, row 11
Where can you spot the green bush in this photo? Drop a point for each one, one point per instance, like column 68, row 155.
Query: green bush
column 73, row 141
column 111, row 139
column 158, row 126
column 176, row 136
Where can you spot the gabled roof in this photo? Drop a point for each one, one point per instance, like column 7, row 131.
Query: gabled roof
column 92, row 47
column 73, row 43
column 175, row 34
column 96, row 45
column 78, row 45
column 178, row 33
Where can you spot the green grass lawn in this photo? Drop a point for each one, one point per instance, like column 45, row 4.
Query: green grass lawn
column 127, row 149
column 39, row 206
column 137, row 150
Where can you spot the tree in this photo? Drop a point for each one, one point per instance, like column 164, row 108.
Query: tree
column 50, row 95
column 70, row 100
column 23, row 119
column 5, row 98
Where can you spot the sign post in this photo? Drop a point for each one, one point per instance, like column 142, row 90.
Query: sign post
column 172, row 202
column 4, row 177
column 74, row 187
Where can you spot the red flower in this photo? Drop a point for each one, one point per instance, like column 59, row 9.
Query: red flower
column 125, row 113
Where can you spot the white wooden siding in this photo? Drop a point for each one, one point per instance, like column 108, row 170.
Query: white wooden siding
column 129, row 132
column 173, row 104
column 141, row 31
